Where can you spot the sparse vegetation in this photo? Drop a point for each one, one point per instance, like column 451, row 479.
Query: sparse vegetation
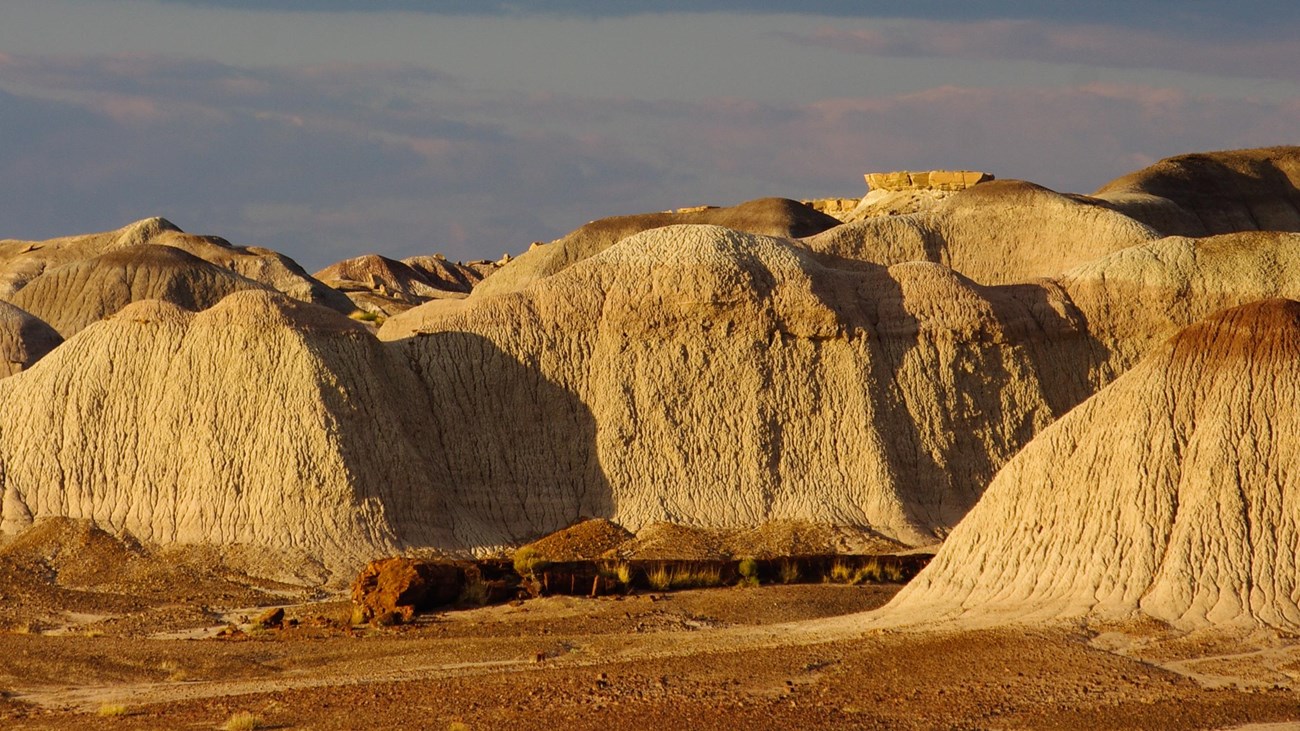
column 174, row 672
column 112, row 710
column 370, row 317
column 882, row 571
column 457, row 726
column 789, row 572
column 241, row 721
column 872, row 571
column 665, row 576
column 659, row 577
column 842, row 573
column 528, row 561
column 624, row 574
column 356, row 615
column 475, row 593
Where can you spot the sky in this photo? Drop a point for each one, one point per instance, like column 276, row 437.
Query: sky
column 328, row 128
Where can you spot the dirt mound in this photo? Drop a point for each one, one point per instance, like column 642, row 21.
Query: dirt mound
column 670, row 541
column 1213, row 192
column 60, row 565
column 769, row 540
column 450, row 276
column 995, row 233
column 23, row 261
column 24, row 339
column 1169, row 494
column 767, row 216
column 73, row 552
column 72, row 296
column 585, row 541
column 386, row 286
column 778, row 538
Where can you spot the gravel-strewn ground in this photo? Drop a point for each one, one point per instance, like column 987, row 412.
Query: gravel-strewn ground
column 716, row 658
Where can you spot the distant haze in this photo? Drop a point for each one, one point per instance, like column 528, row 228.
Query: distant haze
column 327, row 129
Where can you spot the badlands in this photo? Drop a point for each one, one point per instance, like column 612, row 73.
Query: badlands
column 742, row 428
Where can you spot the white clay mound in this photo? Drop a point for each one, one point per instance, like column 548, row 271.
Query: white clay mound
column 261, row 421
column 705, row 376
column 1174, row 494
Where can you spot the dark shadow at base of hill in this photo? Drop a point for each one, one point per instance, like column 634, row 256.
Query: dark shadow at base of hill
column 513, row 452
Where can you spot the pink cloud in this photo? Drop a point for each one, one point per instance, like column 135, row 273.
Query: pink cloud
column 1095, row 45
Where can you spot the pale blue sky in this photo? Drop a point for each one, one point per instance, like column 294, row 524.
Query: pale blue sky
column 326, row 134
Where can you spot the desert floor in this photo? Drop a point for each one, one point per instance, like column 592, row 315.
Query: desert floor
column 721, row 658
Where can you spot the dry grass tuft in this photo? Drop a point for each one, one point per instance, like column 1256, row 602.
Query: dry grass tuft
column 789, row 572
column 474, row 593
column 112, row 710
column 873, row 571
column 664, row 577
column 748, row 570
column 528, row 561
column 241, row 721
column 363, row 316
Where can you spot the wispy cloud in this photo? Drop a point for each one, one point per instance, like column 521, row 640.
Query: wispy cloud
column 1095, row 45
column 103, row 141
column 400, row 160
column 1147, row 13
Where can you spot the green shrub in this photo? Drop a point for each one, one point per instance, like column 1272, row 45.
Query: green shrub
column 748, row 569
column 528, row 561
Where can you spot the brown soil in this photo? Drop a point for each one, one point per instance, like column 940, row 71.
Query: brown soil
column 66, row 575
column 697, row 659
column 773, row 539
column 585, row 541
column 779, row 656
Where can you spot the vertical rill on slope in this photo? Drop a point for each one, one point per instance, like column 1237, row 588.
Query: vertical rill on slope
column 1172, row 493
column 702, row 375
column 262, row 420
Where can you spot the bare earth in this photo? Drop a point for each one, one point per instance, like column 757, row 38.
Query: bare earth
column 751, row 658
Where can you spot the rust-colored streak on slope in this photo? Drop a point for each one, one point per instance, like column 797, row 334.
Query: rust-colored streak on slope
column 1172, row 493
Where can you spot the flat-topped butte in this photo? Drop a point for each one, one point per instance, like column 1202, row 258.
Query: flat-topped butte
column 927, row 180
